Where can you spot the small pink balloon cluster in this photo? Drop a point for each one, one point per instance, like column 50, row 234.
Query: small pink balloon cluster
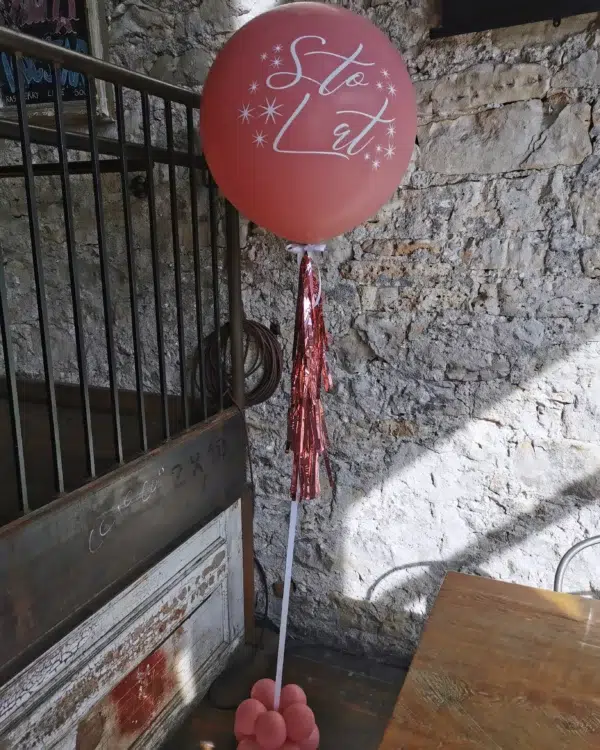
column 259, row 727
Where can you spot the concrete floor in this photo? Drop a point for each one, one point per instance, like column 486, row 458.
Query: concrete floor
column 352, row 698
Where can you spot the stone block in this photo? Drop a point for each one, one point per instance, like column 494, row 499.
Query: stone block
column 583, row 71
column 563, row 139
column 591, row 261
column 571, row 254
column 513, row 137
column 384, row 333
column 193, row 67
column 222, row 15
column 585, row 199
column 542, row 32
column 426, row 215
column 480, row 86
column 526, row 201
column 581, row 413
column 385, row 272
column 387, row 297
column 164, row 68
column 353, row 353
column 368, row 297
column 559, row 467
column 397, row 428
column 510, row 251
column 390, row 248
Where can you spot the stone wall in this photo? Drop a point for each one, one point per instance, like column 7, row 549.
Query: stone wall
column 464, row 319
column 465, row 413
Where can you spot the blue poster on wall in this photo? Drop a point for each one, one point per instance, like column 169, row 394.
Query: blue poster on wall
column 62, row 22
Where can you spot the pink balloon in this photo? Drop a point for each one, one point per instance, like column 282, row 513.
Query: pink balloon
column 290, row 746
column 264, row 691
column 248, row 745
column 246, row 716
column 312, row 743
column 291, row 694
column 308, row 120
column 300, row 722
column 270, row 730
column 242, row 735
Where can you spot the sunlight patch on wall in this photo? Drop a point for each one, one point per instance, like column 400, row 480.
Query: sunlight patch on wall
column 503, row 496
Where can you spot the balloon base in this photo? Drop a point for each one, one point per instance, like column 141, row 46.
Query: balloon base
column 259, row 727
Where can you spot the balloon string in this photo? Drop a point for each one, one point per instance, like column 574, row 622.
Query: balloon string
column 299, row 250
column 285, row 607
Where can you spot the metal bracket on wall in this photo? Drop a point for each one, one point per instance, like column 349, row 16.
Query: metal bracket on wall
column 466, row 17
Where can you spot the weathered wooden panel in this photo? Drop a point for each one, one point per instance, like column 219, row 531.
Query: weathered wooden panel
column 142, row 656
column 502, row 667
column 60, row 563
column 174, row 674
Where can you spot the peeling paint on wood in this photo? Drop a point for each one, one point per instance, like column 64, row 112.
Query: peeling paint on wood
column 196, row 589
column 148, row 698
column 137, row 697
column 61, row 561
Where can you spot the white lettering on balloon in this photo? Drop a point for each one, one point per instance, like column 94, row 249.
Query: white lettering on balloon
column 349, row 137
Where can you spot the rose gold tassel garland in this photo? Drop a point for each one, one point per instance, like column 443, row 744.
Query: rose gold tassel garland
column 307, row 433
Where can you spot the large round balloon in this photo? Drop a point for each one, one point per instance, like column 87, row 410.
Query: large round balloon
column 308, row 120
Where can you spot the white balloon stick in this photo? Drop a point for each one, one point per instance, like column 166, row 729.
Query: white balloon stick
column 285, row 606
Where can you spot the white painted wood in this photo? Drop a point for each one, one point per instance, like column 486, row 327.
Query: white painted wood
column 203, row 662
column 42, row 706
column 194, row 654
column 205, row 672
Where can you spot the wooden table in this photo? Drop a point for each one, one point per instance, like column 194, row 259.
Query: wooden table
column 502, row 667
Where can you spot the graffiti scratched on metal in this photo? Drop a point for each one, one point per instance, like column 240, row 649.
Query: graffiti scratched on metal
column 152, row 639
column 60, row 563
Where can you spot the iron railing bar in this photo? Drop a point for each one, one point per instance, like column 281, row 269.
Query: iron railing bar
column 28, row 46
column 214, row 251
column 177, row 265
column 107, row 166
column 105, row 146
column 38, row 270
column 13, row 396
column 155, row 265
column 74, row 277
column 104, row 271
column 236, row 308
column 197, row 260
column 132, row 272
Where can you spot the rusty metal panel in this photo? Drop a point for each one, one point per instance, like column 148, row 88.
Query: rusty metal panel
column 61, row 563
column 130, row 669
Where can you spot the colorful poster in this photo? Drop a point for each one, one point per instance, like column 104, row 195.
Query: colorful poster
column 61, row 22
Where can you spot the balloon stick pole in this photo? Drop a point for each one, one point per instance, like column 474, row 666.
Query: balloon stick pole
column 287, row 585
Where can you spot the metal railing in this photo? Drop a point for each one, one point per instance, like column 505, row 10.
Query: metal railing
column 120, row 156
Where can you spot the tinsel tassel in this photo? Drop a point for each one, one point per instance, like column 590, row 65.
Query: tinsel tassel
column 307, row 433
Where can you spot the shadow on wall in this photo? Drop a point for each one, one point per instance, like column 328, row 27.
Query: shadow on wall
column 467, row 474
column 417, row 586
